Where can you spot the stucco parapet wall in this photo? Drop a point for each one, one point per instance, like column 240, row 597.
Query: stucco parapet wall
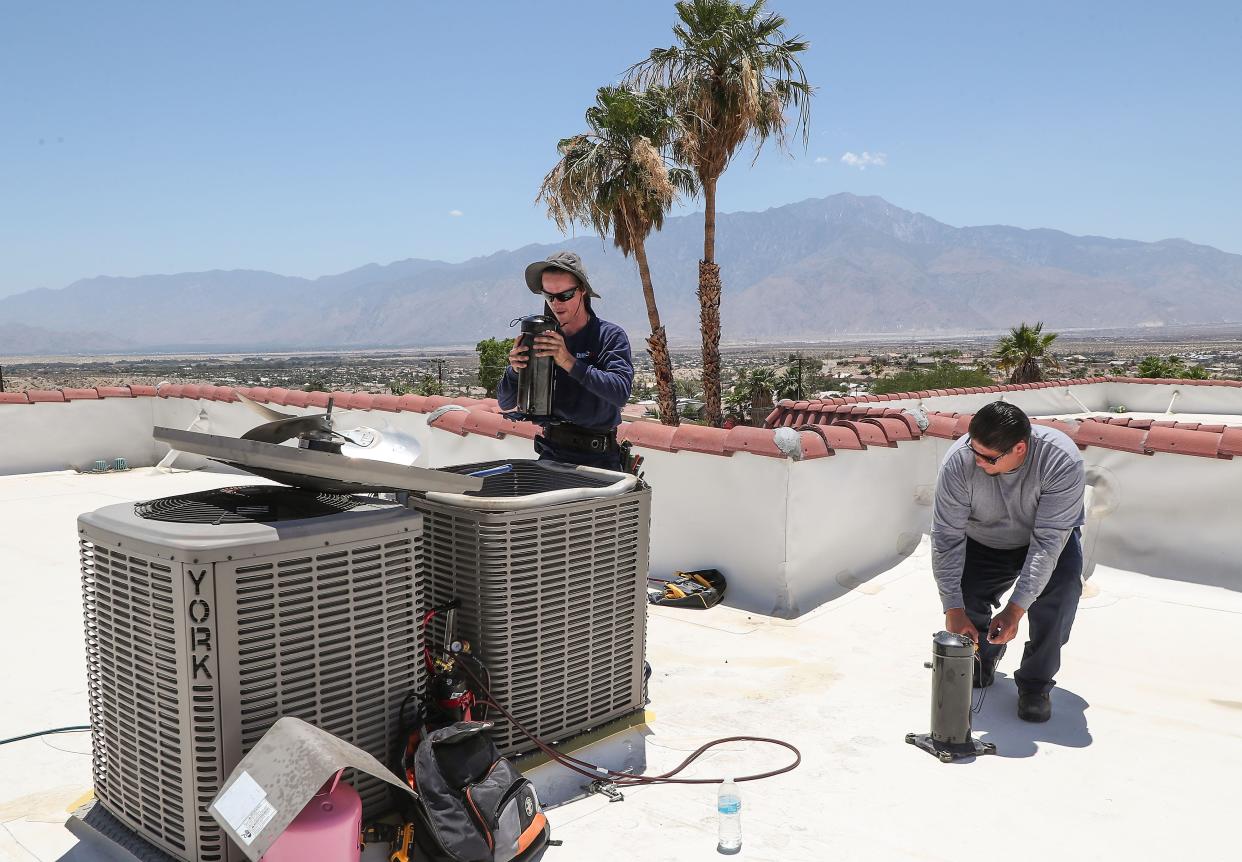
column 1142, row 437
column 824, row 427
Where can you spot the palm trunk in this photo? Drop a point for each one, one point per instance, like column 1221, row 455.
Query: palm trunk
column 709, row 308
column 657, row 344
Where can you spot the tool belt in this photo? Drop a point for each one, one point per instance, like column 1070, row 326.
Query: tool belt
column 569, row 436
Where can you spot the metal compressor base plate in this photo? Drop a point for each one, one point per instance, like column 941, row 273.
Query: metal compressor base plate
column 949, row 752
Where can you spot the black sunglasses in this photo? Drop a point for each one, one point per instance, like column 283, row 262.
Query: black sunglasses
column 563, row 296
column 988, row 458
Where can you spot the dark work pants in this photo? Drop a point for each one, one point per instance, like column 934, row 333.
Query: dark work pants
column 990, row 572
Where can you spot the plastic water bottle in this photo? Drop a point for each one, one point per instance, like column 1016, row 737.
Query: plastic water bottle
column 729, row 817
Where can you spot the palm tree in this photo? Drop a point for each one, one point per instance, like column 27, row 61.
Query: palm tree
column 1024, row 351
column 750, row 400
column 734, row 75
column 614, row 179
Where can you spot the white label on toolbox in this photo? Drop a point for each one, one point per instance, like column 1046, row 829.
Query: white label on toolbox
column 245, row 808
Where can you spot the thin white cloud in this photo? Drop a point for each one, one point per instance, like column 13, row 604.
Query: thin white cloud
column 864, row 160
column 456, row 213
column 821, row 160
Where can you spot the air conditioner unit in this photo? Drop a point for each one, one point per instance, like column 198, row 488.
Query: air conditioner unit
column 211, row 615
column 550, row 564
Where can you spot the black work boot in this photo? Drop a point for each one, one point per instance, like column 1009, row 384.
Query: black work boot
column 985, row 669
column 1034, row 706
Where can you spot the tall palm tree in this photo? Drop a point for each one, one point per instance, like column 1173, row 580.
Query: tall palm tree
column 614, row 180
column 735, row 74
column 1025, row 351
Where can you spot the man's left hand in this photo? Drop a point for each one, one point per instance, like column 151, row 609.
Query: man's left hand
column 552, row 344
column 1004, row 626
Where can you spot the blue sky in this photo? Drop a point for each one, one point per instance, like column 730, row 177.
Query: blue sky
column 311, row 138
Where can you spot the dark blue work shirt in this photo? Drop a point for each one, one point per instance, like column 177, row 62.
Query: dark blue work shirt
column 593, row 392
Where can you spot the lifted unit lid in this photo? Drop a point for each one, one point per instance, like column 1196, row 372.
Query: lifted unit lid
column 313, row 469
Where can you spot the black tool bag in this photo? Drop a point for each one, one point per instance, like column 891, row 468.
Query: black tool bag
column 701, row 589
column 474, row 806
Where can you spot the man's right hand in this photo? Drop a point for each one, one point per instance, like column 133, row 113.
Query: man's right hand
column 956, row 621
column 517, row 356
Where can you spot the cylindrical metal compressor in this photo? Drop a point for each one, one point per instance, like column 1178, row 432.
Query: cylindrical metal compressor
column 953, row 667
column 535, row 381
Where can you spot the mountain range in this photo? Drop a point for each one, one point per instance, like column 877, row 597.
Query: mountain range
column 827, row 267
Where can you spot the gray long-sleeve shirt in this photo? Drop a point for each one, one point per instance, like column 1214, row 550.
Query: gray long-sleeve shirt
column 1039, row 504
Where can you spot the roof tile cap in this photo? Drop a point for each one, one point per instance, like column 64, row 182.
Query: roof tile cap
column 814, row 442
column 14, row 398
column 142, row 390
column 1125, row 438
column 1230, row 442
column 36, row 396
column 413, row 404
column 940, row 425
column 756, row 441
column 649, row 435
column 701, row 438
column 80, row 394
column 487, row 423
column 451, row 420
column 298, row 398
column 1205, row 444
column 388, row 403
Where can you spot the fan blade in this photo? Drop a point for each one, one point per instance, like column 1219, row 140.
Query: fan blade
column 286, row 429
column 262, row 409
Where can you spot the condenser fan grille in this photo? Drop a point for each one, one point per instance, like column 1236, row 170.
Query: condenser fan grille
column 244, row 505
column 526, row 477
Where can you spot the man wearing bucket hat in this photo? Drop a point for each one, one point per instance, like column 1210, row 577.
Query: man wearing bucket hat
column 594, row 371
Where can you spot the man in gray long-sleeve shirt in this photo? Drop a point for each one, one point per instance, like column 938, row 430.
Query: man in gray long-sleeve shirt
column 1009, row 505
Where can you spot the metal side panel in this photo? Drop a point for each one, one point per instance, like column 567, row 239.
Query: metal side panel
column 328, row 636
column 554, row 601
column 154, row 729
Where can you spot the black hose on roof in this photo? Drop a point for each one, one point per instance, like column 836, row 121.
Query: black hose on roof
column 75, row 728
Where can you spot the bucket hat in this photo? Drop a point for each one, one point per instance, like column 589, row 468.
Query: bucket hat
column 566, row 261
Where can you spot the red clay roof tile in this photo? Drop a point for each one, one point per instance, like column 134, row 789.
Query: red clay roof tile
column 413, row 403
column 868, row 434
column 451, row 420
column 910, row 421
column 487, row 423
column 940, row 425
column 385, row 402
column 169, row 390
column 700, row 438
column 651, row 435
column 756, row 441
column 1230, row 442
column 80, row 394
column 296, row 398
column 316, row 398
column 814, row 442
column 894, row 429
column 262, row 394
column 1121, row 437
column 13, row 398
column 36, row 396
column 141, row 389
column 1186, row 441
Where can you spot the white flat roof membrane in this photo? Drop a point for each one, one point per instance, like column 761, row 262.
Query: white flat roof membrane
column 1139, row 761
